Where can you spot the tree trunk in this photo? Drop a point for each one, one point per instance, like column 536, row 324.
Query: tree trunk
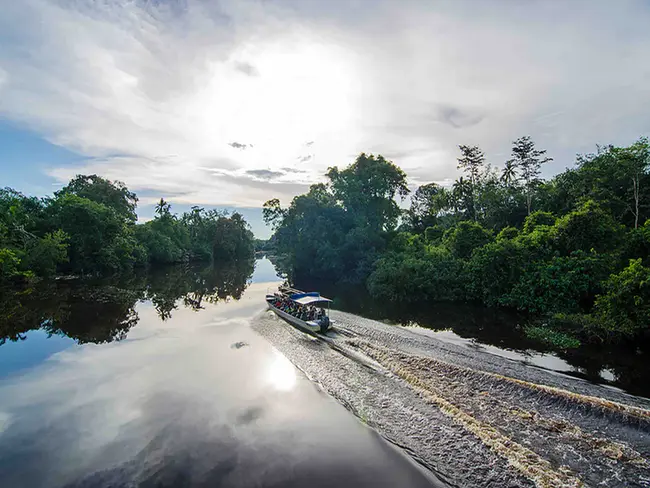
column 635, row 187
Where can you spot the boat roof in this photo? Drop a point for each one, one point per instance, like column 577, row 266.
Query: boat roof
column 307, row 298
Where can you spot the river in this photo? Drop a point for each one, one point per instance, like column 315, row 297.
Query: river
column 158, row 380
column 179, row 377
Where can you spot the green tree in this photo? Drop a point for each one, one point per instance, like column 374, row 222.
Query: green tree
column 466, row 237
column 624, row 307
column 113, row 194
column 589, row 227
column 427, row 203
column 528, row 162
column 367, row 189
column 472, row 162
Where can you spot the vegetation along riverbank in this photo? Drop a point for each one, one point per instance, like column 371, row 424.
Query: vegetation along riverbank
column 89, row 228
column 570, row 254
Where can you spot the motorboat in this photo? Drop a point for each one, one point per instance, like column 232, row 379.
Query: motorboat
column 308, row 311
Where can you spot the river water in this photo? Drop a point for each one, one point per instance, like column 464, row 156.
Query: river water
column 180, row 377
column 500, row 333
column 159, row 380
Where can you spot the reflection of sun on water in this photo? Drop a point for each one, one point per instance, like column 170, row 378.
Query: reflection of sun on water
column 281, row 373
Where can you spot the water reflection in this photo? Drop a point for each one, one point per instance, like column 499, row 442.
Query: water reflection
column 281, row 373
column 104, row 310
column 191, row 397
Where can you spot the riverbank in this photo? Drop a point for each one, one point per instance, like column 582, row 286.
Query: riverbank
column 473, row 418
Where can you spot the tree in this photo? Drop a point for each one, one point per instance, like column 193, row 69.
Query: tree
column 367, row 189
column 427, row 203
column 113, row 194
column 272, row 213
column 635, row 161
column 589, row 227
column 624, row 307
column 472, row 162
column 162, row 208
column 509, row 174
column 466, row 237
column 528, row 162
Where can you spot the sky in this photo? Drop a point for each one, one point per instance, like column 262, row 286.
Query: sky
column 226, row 104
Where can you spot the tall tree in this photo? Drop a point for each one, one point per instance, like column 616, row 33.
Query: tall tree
column 509, row 174
column 113, row 194
column 635, row 161
column 528, row 162
column 162, row 208
column 367, row 189
column 427, row 203
column 472, row 162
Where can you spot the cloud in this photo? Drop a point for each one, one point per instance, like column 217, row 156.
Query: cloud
column 239, row 145
column 265, row 174
column 456, row 117
column 412, row 79
column 246, row 68
column 304, row 159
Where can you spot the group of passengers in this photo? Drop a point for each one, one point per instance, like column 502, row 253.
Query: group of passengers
column 303, row 312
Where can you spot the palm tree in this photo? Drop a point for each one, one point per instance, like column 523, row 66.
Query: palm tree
column 509, row 175
column 162, row 207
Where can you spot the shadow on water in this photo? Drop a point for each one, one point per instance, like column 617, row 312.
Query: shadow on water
column 104, row 310
column 501, row 332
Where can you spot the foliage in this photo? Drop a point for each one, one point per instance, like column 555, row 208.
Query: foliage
column 552, row 337
column 589, row 227
column 624, row 307
column 411, row 278
column 47, row 253
column 538, row 218
column 527, row 161
column 112, row 194
column 89, row 228
column 465, row 237
column 366, row 189
column 560, row 250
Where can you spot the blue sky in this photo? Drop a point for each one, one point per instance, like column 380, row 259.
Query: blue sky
column 225, row 104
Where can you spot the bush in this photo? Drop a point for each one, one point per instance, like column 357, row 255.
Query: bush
column 537, row 219
column 589, row 227
column 551, row 337
column 624, row 307
column 465, row 237
column 507, row 233
column 47, row 253
column 563, row 284
column 495, row 268
column 406, row 278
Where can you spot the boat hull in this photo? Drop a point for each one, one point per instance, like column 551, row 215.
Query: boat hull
column 311, row 327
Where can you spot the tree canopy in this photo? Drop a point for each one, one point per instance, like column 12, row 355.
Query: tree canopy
column 89, row 227
column 558, row 250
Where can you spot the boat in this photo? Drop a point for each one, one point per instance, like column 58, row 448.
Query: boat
column 287, row 297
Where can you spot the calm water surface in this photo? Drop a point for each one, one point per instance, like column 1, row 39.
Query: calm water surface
column 158, row 380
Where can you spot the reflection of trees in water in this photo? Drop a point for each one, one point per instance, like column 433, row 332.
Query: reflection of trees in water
column 101, row 311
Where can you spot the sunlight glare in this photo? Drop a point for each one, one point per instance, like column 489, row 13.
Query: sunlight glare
column 282, row 373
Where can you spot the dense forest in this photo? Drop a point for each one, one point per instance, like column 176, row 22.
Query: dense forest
column 571, row 253
column 89, row 228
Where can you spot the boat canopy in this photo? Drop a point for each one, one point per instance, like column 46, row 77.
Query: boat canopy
column 307, row 298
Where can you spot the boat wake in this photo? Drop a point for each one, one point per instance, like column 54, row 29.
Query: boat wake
column 469, row 426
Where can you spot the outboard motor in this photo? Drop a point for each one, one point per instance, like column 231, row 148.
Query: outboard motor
column 324, row 324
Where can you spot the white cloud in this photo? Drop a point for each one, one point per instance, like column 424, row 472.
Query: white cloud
column 170, row 86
